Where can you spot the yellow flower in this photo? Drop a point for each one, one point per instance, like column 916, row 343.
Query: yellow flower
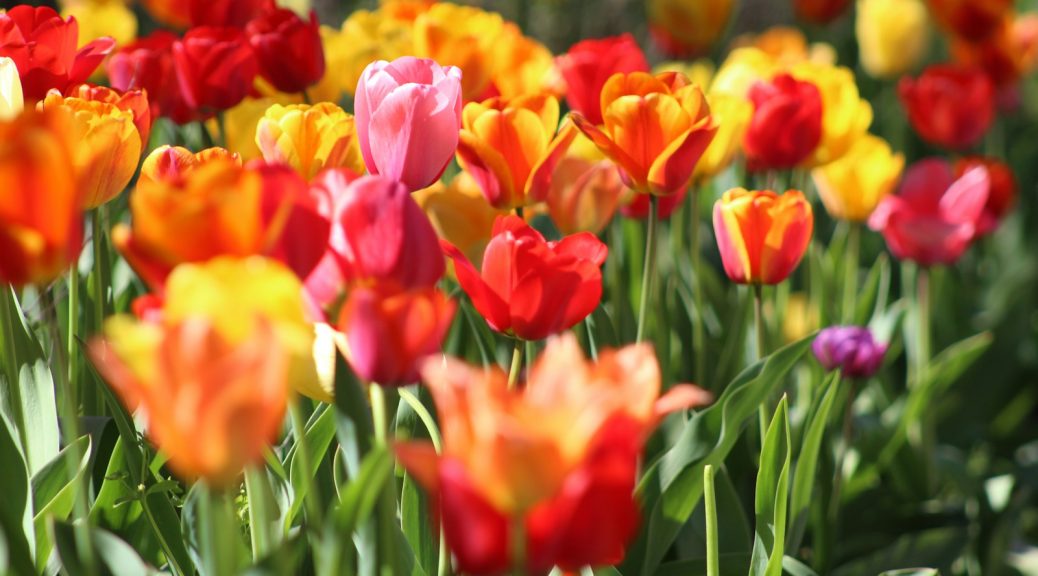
column 733, row 117
column 11, row 100
column 742, row 69
column 522, row 65
column 893, row 35
column 309, row 138
column 365, row 36
column 462, row 36
column 787, row 46
column 99, row 19
column 845, row 116
column 240, row 123
column 699, row 71
column 460, row 214
column 852, row 186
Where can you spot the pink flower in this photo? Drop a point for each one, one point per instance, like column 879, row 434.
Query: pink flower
column 408, row 114
column 934, row 217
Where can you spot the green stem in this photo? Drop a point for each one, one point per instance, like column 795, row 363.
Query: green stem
column 166, row 550
column 424, row 415
column 517, row 364
column 98, row 280
column 220, row 122
column 216, row 527
column 845, row 443
column 517, row 536
column 378, row 412
column 73, row 332
column 712, row 561
column 850, row 279
column 311, row 499
column 649, row 269
column 923, row 310
column 758, row 321
column 698, row 324
column 259, row 517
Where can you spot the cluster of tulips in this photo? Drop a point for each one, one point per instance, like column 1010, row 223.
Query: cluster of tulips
column 270, row 232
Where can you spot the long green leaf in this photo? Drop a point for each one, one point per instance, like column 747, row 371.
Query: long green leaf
column 807, row 462
column 16, row 505
column 54, row 492
column 772, row 496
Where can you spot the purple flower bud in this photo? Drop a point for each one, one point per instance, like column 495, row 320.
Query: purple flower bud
column 849, row 348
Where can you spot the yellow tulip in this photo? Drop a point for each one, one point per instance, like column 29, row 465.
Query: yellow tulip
column 11, row 99
column 845, row 116
column 240, row 123
column 309, row 138
column 733, row 117
column 366, row 36
column 100, row 19
column 460, row 214
column 893, row 35
column 853, row 185
column 743, row 68
column 462, row 36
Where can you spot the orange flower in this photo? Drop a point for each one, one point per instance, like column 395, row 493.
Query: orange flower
column 172, row 163
column 688, row 27
column 510, row 147
column 133, row 101
column 762, row 235
column 41, row 206
column 656, row 128
column 522, row 65
column 462, row 36
column 584, row 194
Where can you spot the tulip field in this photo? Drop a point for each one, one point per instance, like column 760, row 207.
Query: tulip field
column 410, row 287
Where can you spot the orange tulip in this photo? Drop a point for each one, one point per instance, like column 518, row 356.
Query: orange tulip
column 762, row 235
column 522, row 65
column 133, row 101
column 462, row 36
column 172, row 163
column 510, row 147
column 40, row 207
column 309, row 138
column 656, row 128
column 584, row 194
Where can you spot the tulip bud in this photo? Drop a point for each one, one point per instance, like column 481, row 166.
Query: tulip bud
column 786, row 127
column 762, row 235
column 215, row 68
column 949, row 106
column 893, row 35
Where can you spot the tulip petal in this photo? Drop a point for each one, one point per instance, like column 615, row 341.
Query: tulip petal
column 539, row 183
column 965, row 199
column 606, row 145
column 491, row 306
column 488, row 168
column 673, row 169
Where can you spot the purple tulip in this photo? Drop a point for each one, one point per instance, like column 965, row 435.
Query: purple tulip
column 849, row 348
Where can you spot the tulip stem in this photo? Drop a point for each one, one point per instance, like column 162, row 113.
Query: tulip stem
column 518, row 538
column 698, row 332
column 712, row 562
column 841, row 455
column 923, row 310
column 650, row 265
column 378, row 412
column 517, row 364
column 850, row 279
column 217, row 527
column 311, row 497
column 758, row 321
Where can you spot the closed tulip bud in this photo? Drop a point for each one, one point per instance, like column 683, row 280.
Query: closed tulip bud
column 215, row 68
column 530, row 288
column 288, row 49
column 762, row 235
column 685, row 28
column 971, row 20
column 949, row 106
column 460, row 214
column 851, row 349
column 656, row 129
column 309, row 138
column 893, row 36
column 935, row 216
column 408, row 113
column 584, row 194
column 462, row 37
column 511, row 147
column 852, row 186
column 41, row 206
column 172, row 163
column 147, row 64
column 820, row 11
column 1003, row 193
column 107, row 146
column 589, row 63
column 44, row 49
column 845, row 115
column 733, row 116
column 786, row 127
column 560, row 455
column 11, row 100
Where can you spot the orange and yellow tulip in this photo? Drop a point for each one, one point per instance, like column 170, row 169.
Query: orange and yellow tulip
column 309, row 138
column 762, row 235
column 172, row 163
column 522, row 65
column 462, row 36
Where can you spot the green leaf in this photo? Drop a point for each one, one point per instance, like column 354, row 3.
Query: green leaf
column 795, row 567
column 287, row 558
column 772, row 496
column 264, row 515
column 319, row 433
column 807, row 462
column 355, row 508
column 15, row 506
column 672, row 487
column 935, row 547
column 114, row 555
column 354, row 427
column 418, row 525
column 54, row 492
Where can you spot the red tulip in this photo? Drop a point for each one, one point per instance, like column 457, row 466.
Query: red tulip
column 147, row 64
column 820, row 11
column 972, row 20
column 215, row 68
column 531, row 288
column 787, row 123
column 234, row 13
column 589, row 63
column 1002, row 195
column 43, row 47
column 288, row 49
column 949, row 106
column 935, row 216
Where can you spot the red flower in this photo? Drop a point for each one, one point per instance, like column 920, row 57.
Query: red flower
column 934, row 217
column 949, row 106
column 971, row 20
column 1002, row 195
column 43, row 47
column 787, row 123
column 589, row 63
column 820, row 11
column 288, row 49
column 531, row 288
column 215, row 68
column 147, row 64
column 233, row 13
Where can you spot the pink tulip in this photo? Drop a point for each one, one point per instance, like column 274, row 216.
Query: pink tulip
column 934, row 217
column 408, row 114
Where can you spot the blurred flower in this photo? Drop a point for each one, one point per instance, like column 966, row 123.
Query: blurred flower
column 132, row 101
column 41, row 206
column 561, row 455
column 106, row 146
column 1003, row 192
column 288, row 49
column 970, row 19
column 215, row 68
column 521, row 65
column 173, row 13
column 656, row 128
column 408, row 113
column 43, row 47
column 787, row 47
column 700, row 71
column 949, row 106
column 147, row 64
column 309, row 138
column 685, row 28
column 11, row 100
column 893, row 36
column 845, row 115
column 786, row 127
column 462, row 37
column 820, row 11
column 365, row 36
column 850, row 349
column 589, row 63
column 102, row 20
column 240, row 123
column 733, row 116
column 584, row 194
column 230, row 13
column 172, row 163
column 762, row 235
column 799, row 318
column 510, row 147
column 530, row 288
column 1007, row 54
column 935, row 216
column 852, row 186
column 460, row 214
column 743, row 68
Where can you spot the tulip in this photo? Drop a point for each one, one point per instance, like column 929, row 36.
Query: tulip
column 365, row 36
column 935, row 216
column 461, row 37
column 459, row 214
column 685, row 28
column 1007, row 55
column 388, row 333
column 1003, row 192
column 845, row 115
column 11, row 98
column 309, row 138
column 510, row 147
column 240, row 123
column 762, row 235
column 530, row 288
column 853, row 186
column 172, row 13
column 787, row 47
column 521, row 66
column 849, row 348
column 656, row 128
column 559, row 455
column 100, row 20
column 584, row 194
column 743, row 68
column 971, row 20
column 408, row 113
column 893, row 35
column 40, row 208
column 733, row 118
column 786, row 127
column 215, row 68
column 589, row 63
column 227, row 13
column 949, row 106
column 288, row 49
column 147, row 65
column 172, row 163
column 43, row 47
column 820, row 11
column 133, row 101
